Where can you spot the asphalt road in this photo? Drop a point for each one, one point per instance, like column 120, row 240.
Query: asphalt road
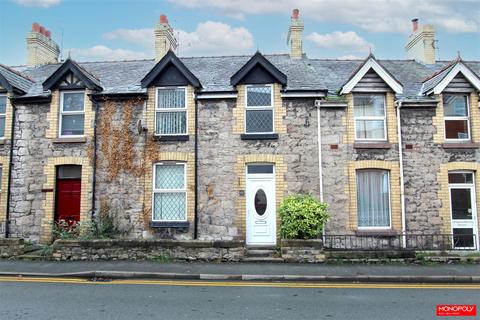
column 128, row 299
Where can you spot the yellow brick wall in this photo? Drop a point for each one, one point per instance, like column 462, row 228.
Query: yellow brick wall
column 150, row 112
column 49, row 202
column 4, row 163
column 439, row 123
column 351, row 190
column 444, row 193
column 54, row 113
column 189, row 159
column 280, row 185
column 279, row 111
column 391, row 117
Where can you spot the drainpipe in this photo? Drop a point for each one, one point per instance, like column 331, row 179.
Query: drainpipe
column 320, row 169
column 402, row 184
column 94, row 169
column 195, row 226
column 10, row 170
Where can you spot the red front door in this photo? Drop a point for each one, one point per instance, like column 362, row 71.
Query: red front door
column 68, row 200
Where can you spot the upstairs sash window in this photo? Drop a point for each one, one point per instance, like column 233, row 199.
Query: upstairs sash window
column 72, row 113
column 259, row 109
column 370, row 117
column 456, row 117
column 3, row 113
column 171, row 112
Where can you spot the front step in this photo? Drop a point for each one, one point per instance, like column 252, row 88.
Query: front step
column 262, row 254
column 262, row 259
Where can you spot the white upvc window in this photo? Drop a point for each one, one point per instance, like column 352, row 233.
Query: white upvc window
column 171, row 111
column 169, row 192
column 370, row 117
column 259, row 104
column 456, row 117
column 72, row 114
column 373, row 199
column 3, row 114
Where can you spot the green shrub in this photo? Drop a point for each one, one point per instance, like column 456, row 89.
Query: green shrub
column 303, row 217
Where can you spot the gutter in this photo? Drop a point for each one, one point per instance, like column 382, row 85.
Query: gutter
column 195, row 223
column 10, row 170
column 402, row 182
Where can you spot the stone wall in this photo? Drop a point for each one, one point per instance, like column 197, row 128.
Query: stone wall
column 11, row 247
column 165, row 250
column 303, row 251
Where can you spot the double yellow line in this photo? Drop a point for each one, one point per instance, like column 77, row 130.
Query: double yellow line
column 200, row 283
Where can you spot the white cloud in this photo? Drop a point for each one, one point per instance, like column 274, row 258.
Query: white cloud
column 101, row 52
column 215, row 38
column 38, row 3
column 374, row 15
column 338, row 40
column 209, row 38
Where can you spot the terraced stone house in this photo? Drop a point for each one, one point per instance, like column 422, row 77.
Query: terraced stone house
column 207, row 147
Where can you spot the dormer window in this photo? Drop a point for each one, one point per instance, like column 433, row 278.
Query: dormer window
column 259, row 109
column 72, row 113
column 171, row 111
column 3, row 113
column 370, row 118
column 456, row 117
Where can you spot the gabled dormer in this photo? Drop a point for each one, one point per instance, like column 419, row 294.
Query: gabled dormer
column 71, row 113
column 370, row 92
column 171, row 90
column 457, row 118
column 259, row 112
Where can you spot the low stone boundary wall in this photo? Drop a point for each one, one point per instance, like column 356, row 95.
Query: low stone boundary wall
column 303, row 250
column 164, row 250
column 11, row 247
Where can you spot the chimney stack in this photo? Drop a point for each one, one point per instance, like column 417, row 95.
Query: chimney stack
column 294, row 38
column 421, row 43
column 41, row 49
column 164, row 38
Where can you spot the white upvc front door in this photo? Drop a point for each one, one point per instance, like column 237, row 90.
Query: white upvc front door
column 463, row 212
column 260, row 205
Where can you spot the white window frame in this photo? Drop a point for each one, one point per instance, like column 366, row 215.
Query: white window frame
column 383, row 118
column 260, row 108
column 62, row 113
column 4, row 115
column 184, row 190
column 459, row 118
column 184, row 109
column 389, row 227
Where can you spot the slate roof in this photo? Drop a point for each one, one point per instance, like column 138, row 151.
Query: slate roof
column 215, row 72
column 15, row 79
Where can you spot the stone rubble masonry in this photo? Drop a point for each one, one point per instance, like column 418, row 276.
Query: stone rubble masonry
column 278, row 110
column 11, row 247
column 300, row 251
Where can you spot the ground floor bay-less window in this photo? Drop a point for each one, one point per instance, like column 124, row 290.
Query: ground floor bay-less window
column 169, row 192
column 373, row 198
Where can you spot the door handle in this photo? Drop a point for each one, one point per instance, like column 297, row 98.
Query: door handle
column 260, row 222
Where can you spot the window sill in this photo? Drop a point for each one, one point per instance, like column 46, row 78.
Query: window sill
column 70, row 140
column 460, row 145
column 376, row 232
column 372, row 145
column 169, row 224
column 259, row 136
column 184, row 137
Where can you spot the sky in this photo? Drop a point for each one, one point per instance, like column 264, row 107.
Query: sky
column 99, row 30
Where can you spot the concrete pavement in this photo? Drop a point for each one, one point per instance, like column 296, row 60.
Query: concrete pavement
column 441, row 273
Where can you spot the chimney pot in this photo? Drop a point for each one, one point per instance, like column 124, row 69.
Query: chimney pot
column 163, row 19
column 295, row 14
column 48, row 33
column 35, row 27
column 414, row 25
column 42, row 30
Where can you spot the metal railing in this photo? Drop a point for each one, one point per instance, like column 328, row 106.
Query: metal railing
column 395, row 242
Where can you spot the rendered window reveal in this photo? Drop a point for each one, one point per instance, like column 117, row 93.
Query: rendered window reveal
column 3, row 113
column 370, row 117
column 171, row 112
column 169, row 192
column 373, row 198
column 457, row 120
column 259, row 109
column 72, row 113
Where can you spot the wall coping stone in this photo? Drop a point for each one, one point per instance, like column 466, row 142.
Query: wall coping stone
column 111, row 243
column 311, row 243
